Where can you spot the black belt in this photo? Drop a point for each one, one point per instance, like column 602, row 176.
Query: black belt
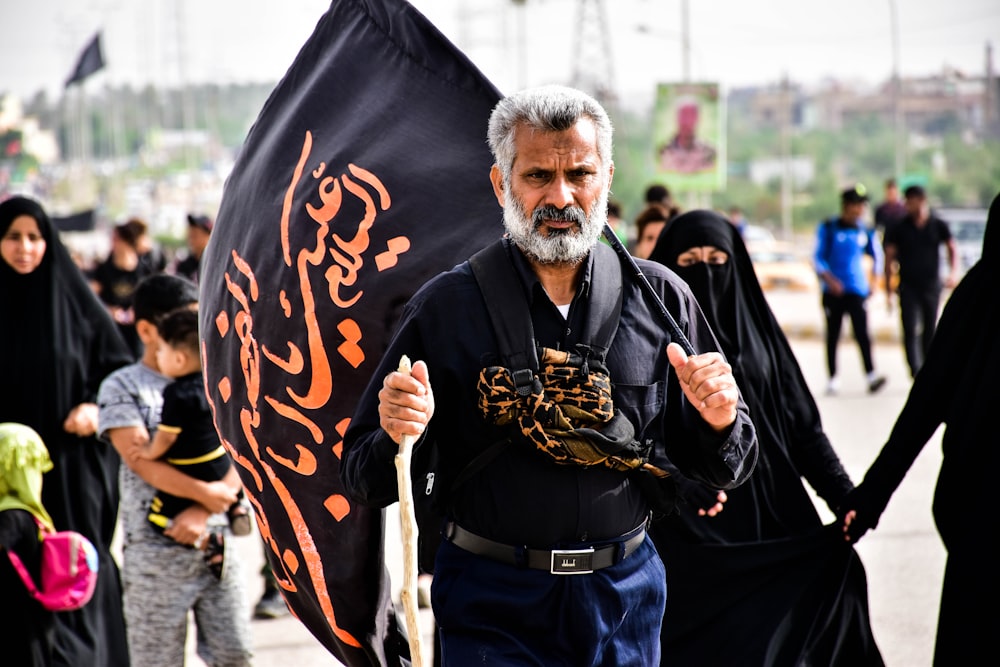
column 557, row 561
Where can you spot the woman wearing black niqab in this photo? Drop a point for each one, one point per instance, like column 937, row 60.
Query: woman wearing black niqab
column 957, row 387
column 58, row 343
column 762, row 582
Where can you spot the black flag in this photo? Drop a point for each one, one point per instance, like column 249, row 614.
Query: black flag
column 366, row 173
column 91, row 60
column 77, row 222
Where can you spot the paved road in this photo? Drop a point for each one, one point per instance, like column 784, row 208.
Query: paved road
column 904, row 557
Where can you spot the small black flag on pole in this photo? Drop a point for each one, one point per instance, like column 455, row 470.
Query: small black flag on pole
column 91, row 60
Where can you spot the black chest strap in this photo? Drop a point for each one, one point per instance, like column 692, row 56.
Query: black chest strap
column 511, row 316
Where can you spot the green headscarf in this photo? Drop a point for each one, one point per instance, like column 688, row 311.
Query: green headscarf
column 23, row 459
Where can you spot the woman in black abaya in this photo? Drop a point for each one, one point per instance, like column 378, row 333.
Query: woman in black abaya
column 58, row 342
column 956, row 386
column 761, row 582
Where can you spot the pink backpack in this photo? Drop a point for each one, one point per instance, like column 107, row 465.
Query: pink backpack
column 69, row 570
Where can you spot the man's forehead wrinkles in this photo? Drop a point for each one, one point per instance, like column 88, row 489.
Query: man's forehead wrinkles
column 557, row 160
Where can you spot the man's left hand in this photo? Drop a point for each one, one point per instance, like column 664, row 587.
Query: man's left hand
column 708, row 383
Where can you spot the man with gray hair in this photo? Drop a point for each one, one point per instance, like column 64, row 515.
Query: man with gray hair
column 550, row 473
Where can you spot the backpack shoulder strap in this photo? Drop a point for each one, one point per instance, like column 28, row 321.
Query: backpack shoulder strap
column 606, row 296
column 21, row 568
column 828, row 231
column 509, row 313
column 508, row 307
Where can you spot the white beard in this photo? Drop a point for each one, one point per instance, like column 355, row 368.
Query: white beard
column 568, row 246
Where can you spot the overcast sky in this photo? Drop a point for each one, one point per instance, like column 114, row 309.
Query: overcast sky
column 733, row 42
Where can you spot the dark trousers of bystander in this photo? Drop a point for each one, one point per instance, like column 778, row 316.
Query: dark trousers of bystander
column 834, row 309
column 918, row 311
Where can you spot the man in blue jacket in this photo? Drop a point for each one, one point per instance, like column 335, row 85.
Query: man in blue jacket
column 841, row 244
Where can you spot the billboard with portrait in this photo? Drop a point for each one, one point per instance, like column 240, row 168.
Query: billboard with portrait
column 689, row 136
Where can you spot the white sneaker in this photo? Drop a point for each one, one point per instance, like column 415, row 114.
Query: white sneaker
column 832, row 387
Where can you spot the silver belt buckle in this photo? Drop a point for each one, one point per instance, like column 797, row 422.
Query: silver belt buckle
column 572, row 561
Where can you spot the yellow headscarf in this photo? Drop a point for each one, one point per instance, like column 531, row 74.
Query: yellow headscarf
column 23, row 459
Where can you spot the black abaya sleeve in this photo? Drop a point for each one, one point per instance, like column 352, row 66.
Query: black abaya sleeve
column 926, row 407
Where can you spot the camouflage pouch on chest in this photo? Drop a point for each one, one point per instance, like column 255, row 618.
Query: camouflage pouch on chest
column 565, row 411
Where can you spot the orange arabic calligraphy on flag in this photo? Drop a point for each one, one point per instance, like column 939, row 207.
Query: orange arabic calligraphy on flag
column 341, row 259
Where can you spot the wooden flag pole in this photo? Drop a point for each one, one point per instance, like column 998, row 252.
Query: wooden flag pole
column 408, row 525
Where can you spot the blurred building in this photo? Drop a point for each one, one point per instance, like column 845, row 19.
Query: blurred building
column 927, row 105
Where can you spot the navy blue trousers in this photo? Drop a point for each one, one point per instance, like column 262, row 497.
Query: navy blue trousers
column 490, row 613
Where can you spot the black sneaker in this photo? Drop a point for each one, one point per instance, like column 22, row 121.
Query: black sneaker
column 876, row 384
column 270, row 605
